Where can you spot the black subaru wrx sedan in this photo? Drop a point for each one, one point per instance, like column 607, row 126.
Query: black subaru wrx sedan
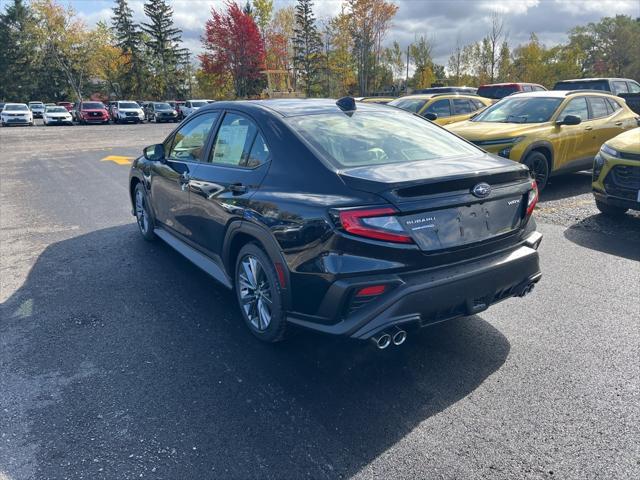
column 357, row 220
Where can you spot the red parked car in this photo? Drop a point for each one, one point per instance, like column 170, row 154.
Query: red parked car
column 496, row 91
column 90, row 112
column 67, row 105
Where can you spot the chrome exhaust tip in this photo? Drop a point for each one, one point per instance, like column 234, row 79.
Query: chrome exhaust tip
column 382, row 341
column 399, row 336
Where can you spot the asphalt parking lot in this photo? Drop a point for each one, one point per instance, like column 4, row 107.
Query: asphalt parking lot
column 119, row 359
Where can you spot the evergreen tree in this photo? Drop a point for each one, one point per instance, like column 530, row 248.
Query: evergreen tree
column 307, row 46
column 163, row 41
column 18, row 53
column 128, row 38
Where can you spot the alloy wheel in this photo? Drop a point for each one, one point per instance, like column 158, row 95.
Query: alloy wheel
column 141, row 212
column 255, row 292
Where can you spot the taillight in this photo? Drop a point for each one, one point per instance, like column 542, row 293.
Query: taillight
column 371, row 291
column 532, row 200
column 376, row 223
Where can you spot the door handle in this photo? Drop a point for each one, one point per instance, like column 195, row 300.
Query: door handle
column 238, row 188
column 589, row 128
column 618, row 123
column 184, row 180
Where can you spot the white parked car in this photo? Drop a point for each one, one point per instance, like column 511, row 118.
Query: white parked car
column 56, row 115
column 16, row 114
column 37, row 108
column 127, row 111
column 192, row 106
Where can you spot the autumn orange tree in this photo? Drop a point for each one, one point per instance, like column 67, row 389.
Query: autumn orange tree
column 233, row 47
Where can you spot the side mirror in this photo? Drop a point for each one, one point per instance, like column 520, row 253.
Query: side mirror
column 431, row 116
column 155, row 153
column 569, row 120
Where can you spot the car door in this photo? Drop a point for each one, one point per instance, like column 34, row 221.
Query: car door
column 170, row 177
column 574, row 141
column 222, row 187
column 462, row 109
column 605, row 126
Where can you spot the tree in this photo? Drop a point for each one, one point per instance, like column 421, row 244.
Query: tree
column 128, row 39
column 421, row 53
column 341, row 62
column 233, row 49
column 307, row 46
column 262, row 14
column 492, row 43
column 504, row 63
column 18, row 52
column 64, row 39
column 164, row 42
column 607, row 47
column 369, row 22
column 394, row 59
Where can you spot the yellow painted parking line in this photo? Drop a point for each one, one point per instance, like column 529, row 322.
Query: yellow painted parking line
column 118, row 159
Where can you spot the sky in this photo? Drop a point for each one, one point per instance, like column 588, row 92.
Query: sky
column 442, row 22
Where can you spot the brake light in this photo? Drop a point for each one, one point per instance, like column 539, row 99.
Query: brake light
column 532, row 200
column 375, row 223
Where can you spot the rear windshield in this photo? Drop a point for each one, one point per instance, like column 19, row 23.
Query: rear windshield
column 128, row 105
column 497, row 92
column 162, row 106
column 409, row 104
column 36, row 104
column 520, row 110
column 16, row 108
column 198, row 104
column 92, row 106
column 55, row 110
column 594, row 85
column 377, row 138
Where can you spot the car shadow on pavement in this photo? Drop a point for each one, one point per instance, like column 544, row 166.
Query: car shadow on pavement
column 567, row 185
column 618, row 236
column 120, row 358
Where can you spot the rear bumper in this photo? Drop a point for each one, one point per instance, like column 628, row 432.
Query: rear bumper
column 431, row 296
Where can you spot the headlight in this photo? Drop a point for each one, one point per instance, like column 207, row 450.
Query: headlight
column 610, row 151
column 174, row 112
column 598, row 163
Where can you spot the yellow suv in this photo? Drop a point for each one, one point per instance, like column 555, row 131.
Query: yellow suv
column 616, row 174
column 550, row 132
column 442, row 108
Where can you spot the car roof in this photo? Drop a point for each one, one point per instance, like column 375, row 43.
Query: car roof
column 559, row 93
column 291, row 107
column 596, row 79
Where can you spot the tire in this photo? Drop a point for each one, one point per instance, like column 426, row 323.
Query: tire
column 610, row 210
column 539, row 167
column 264, row 316
column 143, row 216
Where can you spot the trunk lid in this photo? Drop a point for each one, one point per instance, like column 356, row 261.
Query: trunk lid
column 453, row 202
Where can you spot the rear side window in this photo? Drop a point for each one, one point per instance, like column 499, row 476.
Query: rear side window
column 189, row 142
column 619, row 87
column 614, row 104
column 478, row 104
column 633, row 87
column 440, row 108
column 598, row 107
column 462, row 106
column 527, row 88
column 259, row 153
column 577, row 107
column 537, row 88
column 234, row 141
